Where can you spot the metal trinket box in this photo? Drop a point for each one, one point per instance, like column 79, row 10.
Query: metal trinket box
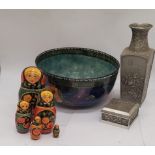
column 120, row 111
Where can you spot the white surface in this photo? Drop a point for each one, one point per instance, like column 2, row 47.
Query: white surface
column 24, row 34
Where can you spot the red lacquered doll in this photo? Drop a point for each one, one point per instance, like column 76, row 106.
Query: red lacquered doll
column 46, row 110
column 36, row 128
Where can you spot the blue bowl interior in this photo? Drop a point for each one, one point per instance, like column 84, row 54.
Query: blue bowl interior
column 76, row 66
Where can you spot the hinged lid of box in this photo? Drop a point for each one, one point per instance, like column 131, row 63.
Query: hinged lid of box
column 120, row 111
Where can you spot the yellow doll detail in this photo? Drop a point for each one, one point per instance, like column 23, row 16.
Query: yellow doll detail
column 33, row 78
column 47, row 96
column 32, row 74
column 23, row 107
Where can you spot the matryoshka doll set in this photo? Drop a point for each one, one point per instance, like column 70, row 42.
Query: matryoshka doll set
column 36, row 110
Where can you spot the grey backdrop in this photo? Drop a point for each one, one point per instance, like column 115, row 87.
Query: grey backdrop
column 26, row 33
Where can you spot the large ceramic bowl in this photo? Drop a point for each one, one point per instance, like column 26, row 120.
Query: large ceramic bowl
column 83, row 76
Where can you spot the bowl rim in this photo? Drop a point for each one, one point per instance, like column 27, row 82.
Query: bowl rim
column 73, row 79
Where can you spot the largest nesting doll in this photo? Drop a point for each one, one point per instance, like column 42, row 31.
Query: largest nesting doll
column 32, row 83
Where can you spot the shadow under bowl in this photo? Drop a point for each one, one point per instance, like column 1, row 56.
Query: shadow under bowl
column 83, row 76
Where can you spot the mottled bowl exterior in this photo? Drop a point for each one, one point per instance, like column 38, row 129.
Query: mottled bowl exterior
column 81, row 92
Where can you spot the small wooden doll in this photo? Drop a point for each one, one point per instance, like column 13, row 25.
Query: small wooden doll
column 56, row 131
column 23, row 117
column 36, row 128
column 23, row 107
column 32, row 98
column 46, row 110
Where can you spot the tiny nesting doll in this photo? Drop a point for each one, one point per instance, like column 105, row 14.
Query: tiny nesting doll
column 33, row 81
column 35, row 128
column 46, row 110
column 23, row 117
column 56, row 131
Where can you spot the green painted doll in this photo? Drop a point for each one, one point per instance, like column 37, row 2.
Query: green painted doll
column 23, row 117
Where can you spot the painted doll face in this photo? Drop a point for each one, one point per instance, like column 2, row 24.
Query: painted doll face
column 32, row 75
column 38, row 119
column 24, row 105
column 47, row 96
column 45, row 120
column 27, row 97
column 56, row 126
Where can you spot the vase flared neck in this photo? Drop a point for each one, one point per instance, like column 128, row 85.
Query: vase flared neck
column 139, row 41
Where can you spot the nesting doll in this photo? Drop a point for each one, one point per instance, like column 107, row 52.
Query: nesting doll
column 56, row 131
column 36, row 128
column 32, row 98
column 46, row 110
column 23, row 117
column 32, row 83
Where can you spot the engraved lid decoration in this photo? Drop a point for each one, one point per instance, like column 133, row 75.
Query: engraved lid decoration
column 120, row 111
